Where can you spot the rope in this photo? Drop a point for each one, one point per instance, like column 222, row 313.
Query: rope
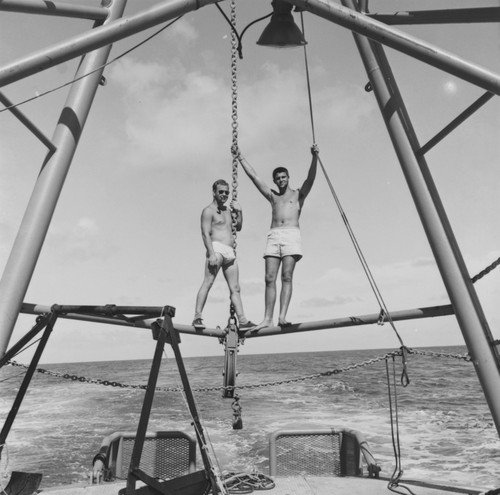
column 393, row 410
column 308, row 80
column 246, row 483
column 378, row 296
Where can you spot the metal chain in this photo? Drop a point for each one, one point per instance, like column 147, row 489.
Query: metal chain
column 487, row 270
column 465, row 357
column 234, row 109
column 337, row 371
column 234, row 126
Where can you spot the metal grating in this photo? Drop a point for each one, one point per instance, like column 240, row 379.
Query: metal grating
column 162, row 458
column 304, row 454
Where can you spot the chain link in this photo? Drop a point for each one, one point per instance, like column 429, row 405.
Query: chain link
column 487, row 270
column 465, row 357
column 234, row 110
column 337, row 371
column 234, row 127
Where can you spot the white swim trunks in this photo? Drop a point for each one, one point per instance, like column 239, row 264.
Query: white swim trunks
column 227, row 252
column 284, row 241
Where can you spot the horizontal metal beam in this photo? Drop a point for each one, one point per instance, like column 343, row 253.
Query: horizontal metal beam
column 403, row 42
column 39, row 309
column 57, row 9
column 328, row 9
column 352, row 321
column 97, row 38
column 349, row 321
column 440, row 16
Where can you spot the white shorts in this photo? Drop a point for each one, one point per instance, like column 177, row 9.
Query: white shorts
column 227, row 252
column 284, row 241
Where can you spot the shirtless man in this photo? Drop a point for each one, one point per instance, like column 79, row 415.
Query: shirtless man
column 217, row 235
column 283, row 241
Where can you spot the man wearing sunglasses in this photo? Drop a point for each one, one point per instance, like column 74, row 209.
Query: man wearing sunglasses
column 217, row 235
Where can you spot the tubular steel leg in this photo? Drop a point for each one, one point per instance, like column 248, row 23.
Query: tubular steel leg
column 36, row 221
column 41, row 323
column 470, row 316
column 135, row 459
column 209, row 469
column 27, row 379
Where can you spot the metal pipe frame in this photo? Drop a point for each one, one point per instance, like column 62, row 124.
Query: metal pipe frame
column 24, row 254
column 27, row 122
column 463, row 297
column 57, row 9
column 482, row 100
column 173, row 340
column 38, row 215
column 41, row 323
column 440, row 16
column 134, row 473
column 49, row 326
column 97, row 38
column 39, row 309
column 353, row 321
column 348, row 321
column 399, row 40
column 346, row 17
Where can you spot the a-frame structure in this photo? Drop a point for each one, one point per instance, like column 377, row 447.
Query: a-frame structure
column 371, row 33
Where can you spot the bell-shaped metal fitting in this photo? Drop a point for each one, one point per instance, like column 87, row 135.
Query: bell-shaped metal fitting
column 282, row 30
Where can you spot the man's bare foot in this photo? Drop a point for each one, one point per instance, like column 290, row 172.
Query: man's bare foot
column 263, row 324
column 283, row 323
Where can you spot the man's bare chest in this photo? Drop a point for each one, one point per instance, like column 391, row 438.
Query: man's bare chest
column 287, row 201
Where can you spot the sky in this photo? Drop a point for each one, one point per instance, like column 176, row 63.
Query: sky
column 126, row 230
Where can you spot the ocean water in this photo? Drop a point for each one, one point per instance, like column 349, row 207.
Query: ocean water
column 446, row 431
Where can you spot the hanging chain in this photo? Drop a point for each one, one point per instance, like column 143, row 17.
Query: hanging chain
column 234, row 109
column 484, row 272
column 76, row 378
column 234, row 126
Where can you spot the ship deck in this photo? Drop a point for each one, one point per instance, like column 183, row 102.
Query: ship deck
column 297, row 485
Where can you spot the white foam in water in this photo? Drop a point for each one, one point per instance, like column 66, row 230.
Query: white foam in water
column 446, row 431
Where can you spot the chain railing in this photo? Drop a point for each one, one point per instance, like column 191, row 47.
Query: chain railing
column 314, row 376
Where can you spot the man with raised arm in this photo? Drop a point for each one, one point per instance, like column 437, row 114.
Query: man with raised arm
column 217, row 235
column 283, row 240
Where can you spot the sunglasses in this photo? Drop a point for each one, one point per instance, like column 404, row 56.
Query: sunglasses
column 223, row 192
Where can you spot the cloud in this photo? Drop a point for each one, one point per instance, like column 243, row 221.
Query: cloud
column 82, row 241
column 423, row 262
column 180, row 115
column 183, row 30
column 173, row 115
column 323, row 302
column 138, row 77
column 275, row 106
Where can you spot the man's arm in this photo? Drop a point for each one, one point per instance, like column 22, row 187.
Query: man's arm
column 206, row 228
column 259, row 183
column 308, row 183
